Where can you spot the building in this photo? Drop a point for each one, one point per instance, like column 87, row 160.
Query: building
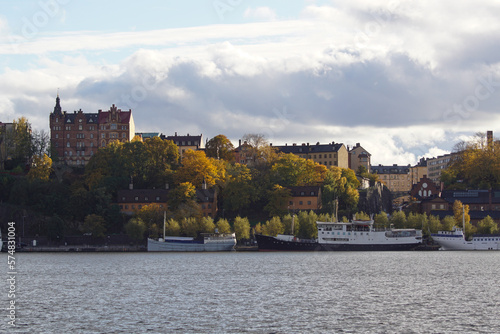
column 244, row 154
column 6, row 133
column 418, row 171
column 396, row 178
column 187, row 142
column 436, row 165
column 481, row 203
column 132, row 200
column 333, row 154
column 358, row 156
column 77, row 136
column 147, row 135
column 305, row 198
column 424, row 188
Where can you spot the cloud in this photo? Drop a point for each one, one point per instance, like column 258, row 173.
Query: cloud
column 404, row 80
column 260, row 13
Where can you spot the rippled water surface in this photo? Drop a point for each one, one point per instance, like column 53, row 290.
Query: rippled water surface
column 252, row 292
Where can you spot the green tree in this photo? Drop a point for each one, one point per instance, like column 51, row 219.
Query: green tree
column 95, row 225
column 381, row 220
column 206, row 225
column 340, row 188
column 448, row 222
column 135, row 228
column 398, row 219
column 223, row 226
column 362, row 216
column 239, row 191
column 278, row 201
column 434, row 224
column 242, row 228
column 487, row 226
column 307, row 225
column 172, row 228
column 291, row 224
column 273, row 227
column 21, row 142
column 220, row 147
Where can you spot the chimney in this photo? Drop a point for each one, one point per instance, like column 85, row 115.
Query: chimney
column 239, row 143
column 489, row 138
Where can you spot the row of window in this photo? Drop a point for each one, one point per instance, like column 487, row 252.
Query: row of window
column 90, row 128
column 300, row 203
column 78, row 153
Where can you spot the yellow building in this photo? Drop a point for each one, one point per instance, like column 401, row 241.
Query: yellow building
column 358, row 156
column 396, row 178
column 185, row 143
column 333, row 154
column 418, row 171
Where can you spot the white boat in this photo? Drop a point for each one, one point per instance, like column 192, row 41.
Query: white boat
column 358, row 235
column 207, row 242
column 455, row 240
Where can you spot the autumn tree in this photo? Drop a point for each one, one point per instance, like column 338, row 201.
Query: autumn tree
column 463, row 171
column 292, row 170
column 340, row 188
column 40, row 168
column 181, row 194
column 220, row 147
column 198, row 168
column 460, row 213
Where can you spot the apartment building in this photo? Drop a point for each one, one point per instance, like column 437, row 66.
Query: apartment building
column 187, row 142
column 333, row 154
column 77, row 136
column 358, row 156
column 396, row 178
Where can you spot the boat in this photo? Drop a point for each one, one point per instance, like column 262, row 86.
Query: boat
column 455, row 240
column 205, row 242
column 357, row 235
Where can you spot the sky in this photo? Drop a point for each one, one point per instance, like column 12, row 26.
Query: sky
column 405, row 79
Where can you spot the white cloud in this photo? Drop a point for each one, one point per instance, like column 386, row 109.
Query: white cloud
column 260, row 13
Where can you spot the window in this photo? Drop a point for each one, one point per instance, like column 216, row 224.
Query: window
column 300, row 203
column 67, row 144
column 157, row 198
column 57, row 135
column 57, row 144
column 113, row 127
column 124, row 135
column 308, row 202
column 146, row 198
column 136, row 198
column 103, row 143
column 57, row 120
column 103, row 135
column 91, row 136
column 80, row 127
column 92, row 144
column 67, row 135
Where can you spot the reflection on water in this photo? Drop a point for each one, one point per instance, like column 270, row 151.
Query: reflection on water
column 386, row 292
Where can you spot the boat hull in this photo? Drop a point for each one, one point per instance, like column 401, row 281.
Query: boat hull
column 190, row 246
column 267, row 243
column 452, row 242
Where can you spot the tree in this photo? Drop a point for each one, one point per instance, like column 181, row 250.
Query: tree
column 152, row 214
column 460, row 213
column 398, row 219
column 242, row 228
column 239, row 191
column 307, row 225
column 223, row 226
column 448, row 223
column 487, row 226
column 172, row 227
column 291, row 224
column 183, row 193
column 340, row 186
column 434, row 224
column 278, row 201
column 94, row 224
column 162, row 156
column 220, row 147
column 292, row 170
column 135, row 228
column 381, row 220
column 41, row 168
column 198, row 168
column 273, row 227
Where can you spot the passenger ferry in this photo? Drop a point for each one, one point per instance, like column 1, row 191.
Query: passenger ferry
column 357, row 235
column 455, row 240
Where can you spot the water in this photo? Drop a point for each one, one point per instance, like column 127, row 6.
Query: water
column 252, row 292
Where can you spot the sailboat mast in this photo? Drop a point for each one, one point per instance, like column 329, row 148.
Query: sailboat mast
column 164, row 220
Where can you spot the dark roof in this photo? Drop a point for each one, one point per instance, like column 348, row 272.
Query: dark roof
column 394, row 169
column 306, row 191
column 471, row 196
column 306, row 148
column 183, row 140
column 143, row 195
